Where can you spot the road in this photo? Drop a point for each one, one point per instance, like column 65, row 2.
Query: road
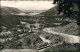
column 19, row 50
column 68, row 38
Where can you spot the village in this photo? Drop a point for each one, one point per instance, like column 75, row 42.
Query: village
column 24, row 27
column 23, row 31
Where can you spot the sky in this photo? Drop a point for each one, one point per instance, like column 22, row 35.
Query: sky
column 29, row 5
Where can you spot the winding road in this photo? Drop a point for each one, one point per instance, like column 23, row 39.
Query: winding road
column 68, row 38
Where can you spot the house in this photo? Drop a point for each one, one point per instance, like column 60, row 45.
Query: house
column 45, row 40
column 23, row 23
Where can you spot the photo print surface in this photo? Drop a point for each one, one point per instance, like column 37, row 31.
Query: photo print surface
column 39, row 25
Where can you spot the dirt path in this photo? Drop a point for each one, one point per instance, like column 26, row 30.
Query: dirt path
column 68, row 38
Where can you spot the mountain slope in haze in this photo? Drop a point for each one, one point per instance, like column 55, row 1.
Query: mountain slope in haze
column 50, row 12
column 9, row 10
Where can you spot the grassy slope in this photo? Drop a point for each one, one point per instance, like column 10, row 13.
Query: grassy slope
column 71, row 28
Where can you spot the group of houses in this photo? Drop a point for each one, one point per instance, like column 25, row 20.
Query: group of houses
column 35, row 27
column 27, row 27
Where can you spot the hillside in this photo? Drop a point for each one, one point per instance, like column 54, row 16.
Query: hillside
column 51, row 12
column 67, row 23
column 71, row 28
column 9, row 10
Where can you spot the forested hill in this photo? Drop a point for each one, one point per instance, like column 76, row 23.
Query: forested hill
column 9, row 10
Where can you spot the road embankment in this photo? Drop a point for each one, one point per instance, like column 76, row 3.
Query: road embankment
column 68, row 38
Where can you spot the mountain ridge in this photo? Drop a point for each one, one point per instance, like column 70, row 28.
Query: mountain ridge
column 9, row 10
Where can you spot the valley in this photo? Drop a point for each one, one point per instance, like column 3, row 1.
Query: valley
column 38, row 31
